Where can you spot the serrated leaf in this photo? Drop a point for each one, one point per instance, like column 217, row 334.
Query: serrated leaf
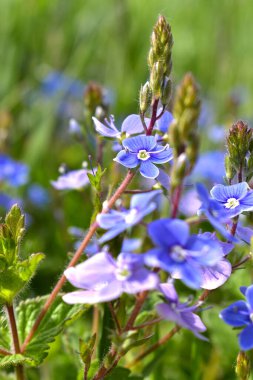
column 27, row 268
column 14, row 360
column 95, row 180
column 86, row 350
column 59, row 316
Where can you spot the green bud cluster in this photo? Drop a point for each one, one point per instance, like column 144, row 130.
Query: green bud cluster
column 183, row 134
column 239, row 158
column 242, row 368
column 160, row 64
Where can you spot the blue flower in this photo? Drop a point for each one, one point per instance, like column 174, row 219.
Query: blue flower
column 163, row 123
column 118, row 221
column 72, row 180
column 7, row 202
column 37, row 195
column 102, row 278
column 179, row 253
column 206, row 167
column 239, row 314
column 13, row 172
column 180, row 313
column 56, row 82
column 214, row 212
column 234, row 199
column 144, row 151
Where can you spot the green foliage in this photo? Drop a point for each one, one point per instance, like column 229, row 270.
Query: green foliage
column 15, row 273
column 86, row 351
column 59, row 316
column 96, row 183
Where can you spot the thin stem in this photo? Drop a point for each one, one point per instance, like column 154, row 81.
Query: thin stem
column 176, row 200
column 95, row 327
column 154, row 346
column 161, row 113
column 76, row 257
column 114, row 317
column 14, row 331
column 153, row 118
column 138, row 305
column 146, row 324
column 4, row 352
column 143, row 122
column 138, row 191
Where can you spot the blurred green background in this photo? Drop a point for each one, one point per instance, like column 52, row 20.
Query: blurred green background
column 108, row 41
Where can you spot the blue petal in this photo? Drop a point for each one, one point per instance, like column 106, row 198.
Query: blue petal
column 141, row 280
column 246, row 338
column 247, row 202
column 190, row 275
column 127, row 159
column 142, row 142
column 243, row 289
column 244, row 233
column 113, row 232
column 148, row 170
column 164, row 122
column 141, row 201
column 236, row 315
column 132, row 124
column 213, row 277
column 168, row 232
column 169, row 291
column 222, row 193
column 163, row 179
column 162, row 157
column 110, row 292
column 249, row 297
column 110, row 131
column 110, row 220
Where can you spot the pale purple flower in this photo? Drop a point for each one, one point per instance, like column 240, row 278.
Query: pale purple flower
column 103, row 278
column 180, row 313
column 144, row 151
column 72, row 180
column 234, row 199
column 119, row 221
column 179, row 253
column 239, row 314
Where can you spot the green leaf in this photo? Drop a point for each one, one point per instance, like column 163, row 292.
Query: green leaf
column 96, row 183
column 27, row 268
column 122, row 374
column 86, row 350
column 14, row 360
column 58, row 317
column 15, row 221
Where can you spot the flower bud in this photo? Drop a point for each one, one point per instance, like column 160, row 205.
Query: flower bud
column 145, row 97
column 156, row 79
column 166, row 92
column 242, row 368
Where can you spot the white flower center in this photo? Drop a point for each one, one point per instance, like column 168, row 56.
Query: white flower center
column 122, row 273
column 131, row 215
column 232, row 203
column 251, row 317
column 178, row 253
column 143, row 155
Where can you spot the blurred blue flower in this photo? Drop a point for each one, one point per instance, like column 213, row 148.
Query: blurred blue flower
column 56, row 82
column 180, row 313
column 144, row 151
column 37, row 195
column 7, row 202
column 74, row 127
column 119, row 221
column 104, row 278
column 234, row 199
column 163, row 123
column 210, row 167
column 12, row 172
column 214, row 212
column 239, row 314
column 72, row 180
column 179, row 253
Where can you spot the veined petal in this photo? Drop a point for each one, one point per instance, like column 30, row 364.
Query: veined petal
column 141, row 201
column 236, row 315
column 164, row 122
column 141, row 280
column 113, row 218
column 161, row 157
column 141, row 142
column 132, row 124
column 127, row 159
column 169, row 291
column 168, row 232
column 148, row 169
column 110, row 131
column 222, row 193
column 247, row 202
column 246, row 338
column 113, row 232
column 214, row 277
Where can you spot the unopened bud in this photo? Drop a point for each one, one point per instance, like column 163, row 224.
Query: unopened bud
column 156, row 79
column 145, row 97
column 242, row 368
column 230, row 170
column 166, row 92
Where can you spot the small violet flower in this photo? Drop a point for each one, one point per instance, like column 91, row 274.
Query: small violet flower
column 103, row 278
column 179, row 253
column 180, row 313
column 72, row 180
column 240, row 314
column 214, row 211
column 118, row 221
column 13, row 172
column 234, row 199
column 144, row 151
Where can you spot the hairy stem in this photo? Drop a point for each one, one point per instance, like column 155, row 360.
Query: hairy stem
column 76, row 257
column 4, row 352
column 175, row 201
column 20, row 375
column 138, row 305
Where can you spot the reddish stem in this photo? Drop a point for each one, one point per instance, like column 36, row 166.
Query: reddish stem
column 153, row 118
column 176, row 199
column 75, row 259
